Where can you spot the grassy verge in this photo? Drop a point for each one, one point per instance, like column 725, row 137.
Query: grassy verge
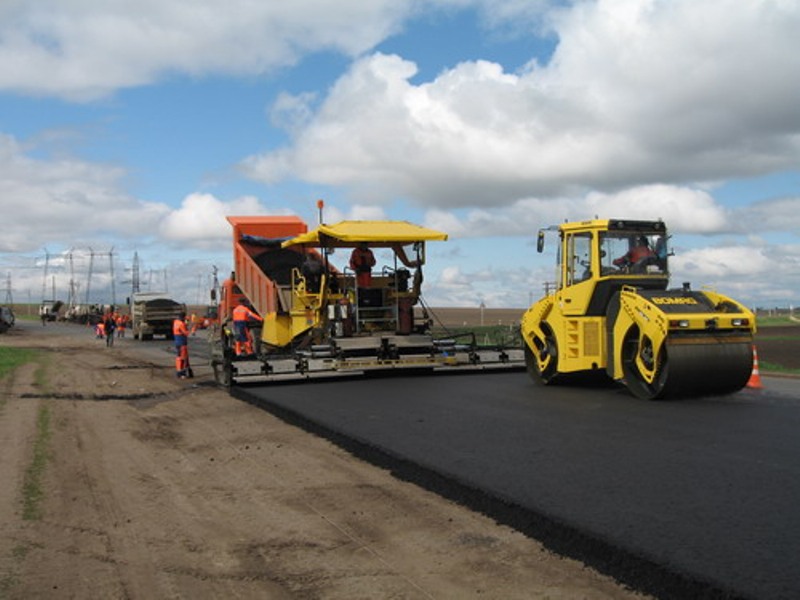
column 11, row 358
column 32, row 491
column 775, row 368
column 766, row 321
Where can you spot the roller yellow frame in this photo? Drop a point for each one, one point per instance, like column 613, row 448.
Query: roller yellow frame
column 610, row 312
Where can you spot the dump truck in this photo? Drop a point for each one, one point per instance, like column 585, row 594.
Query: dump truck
column 49, row 310
column 611, row 313
column 318, row 321
column 152, row 313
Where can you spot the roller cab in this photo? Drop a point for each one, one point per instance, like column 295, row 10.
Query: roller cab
column 610, row 312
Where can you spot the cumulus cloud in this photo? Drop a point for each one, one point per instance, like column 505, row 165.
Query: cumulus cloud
column 777, row 214
column 65, row 200
column 723, row 262
column 499, row 287
column 766, row 275
column 200, row 219
column 48, row 199
column 684, row 210
column 79, row 50
column 635, row 93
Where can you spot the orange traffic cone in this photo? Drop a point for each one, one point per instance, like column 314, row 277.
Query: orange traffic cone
column 755, row 377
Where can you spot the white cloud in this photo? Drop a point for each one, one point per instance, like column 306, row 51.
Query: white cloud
column 636, row 92
column 498, row 287
column 65, row 199
column 84, row 50
column 684, row 210
column 779, row 214
column 720, row 263
column 200, row 219
column 766, row 275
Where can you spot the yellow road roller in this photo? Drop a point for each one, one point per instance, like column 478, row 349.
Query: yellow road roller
column 611, row 310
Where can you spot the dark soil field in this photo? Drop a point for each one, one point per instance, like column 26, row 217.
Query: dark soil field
column 779, row 345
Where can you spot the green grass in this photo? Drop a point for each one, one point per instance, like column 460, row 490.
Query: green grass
column 32, row 492
column 11, row 358
column 32, row 488
column 775, row 368
column 776, row 321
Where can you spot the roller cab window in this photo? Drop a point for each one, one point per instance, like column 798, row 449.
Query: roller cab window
column 633, row 252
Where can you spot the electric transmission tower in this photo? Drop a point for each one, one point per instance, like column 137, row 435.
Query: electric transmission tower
column 9, row 298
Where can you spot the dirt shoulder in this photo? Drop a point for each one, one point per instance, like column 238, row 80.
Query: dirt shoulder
column 154, row 488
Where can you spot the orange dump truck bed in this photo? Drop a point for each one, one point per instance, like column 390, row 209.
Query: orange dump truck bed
column 252, row 236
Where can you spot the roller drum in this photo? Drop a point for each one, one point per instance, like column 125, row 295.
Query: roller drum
column 695, row 366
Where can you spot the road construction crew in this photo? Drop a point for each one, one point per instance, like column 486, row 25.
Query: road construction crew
column 109, row 324
column 122, row 323
column 180, row 334
column 243, row 344
column 361, row 261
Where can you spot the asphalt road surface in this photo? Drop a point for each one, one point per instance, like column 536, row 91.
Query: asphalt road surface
column 679, row 499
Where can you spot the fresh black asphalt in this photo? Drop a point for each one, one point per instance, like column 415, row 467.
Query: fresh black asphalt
column 691, row 498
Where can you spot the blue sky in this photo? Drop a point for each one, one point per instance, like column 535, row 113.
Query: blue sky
column 138, row 127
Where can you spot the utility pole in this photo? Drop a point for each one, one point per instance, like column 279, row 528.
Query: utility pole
column 113, row 284
column 9, row 299
column 89, row 274
column 44, row 279
column 72, row 300
column 135, row 274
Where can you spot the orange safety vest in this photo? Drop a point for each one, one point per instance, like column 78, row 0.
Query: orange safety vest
column 361, row 261
column 179, row 328
column 241, row 313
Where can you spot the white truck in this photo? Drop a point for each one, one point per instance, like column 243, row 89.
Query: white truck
column 152, row 313
column 48, row 310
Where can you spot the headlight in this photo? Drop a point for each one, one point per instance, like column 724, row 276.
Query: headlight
column 679, row 323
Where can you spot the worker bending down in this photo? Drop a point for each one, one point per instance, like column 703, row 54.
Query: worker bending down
column 243, row 343
column 180, row 334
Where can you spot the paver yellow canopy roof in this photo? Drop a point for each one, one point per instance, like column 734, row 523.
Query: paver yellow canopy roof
column 375, row 233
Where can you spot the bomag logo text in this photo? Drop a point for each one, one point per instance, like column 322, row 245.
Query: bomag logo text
column 674, row 301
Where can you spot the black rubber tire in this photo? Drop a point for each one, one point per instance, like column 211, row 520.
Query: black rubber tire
column 634, row 380
column 546, row 376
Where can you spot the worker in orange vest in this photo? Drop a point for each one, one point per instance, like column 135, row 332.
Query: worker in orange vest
column 243, row 344
column 361, row 261
column 180, row 334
